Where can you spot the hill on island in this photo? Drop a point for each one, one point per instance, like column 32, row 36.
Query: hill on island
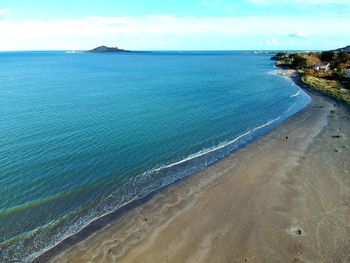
column 104, row 49
column 343, row 49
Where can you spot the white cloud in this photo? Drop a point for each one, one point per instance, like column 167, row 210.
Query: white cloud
column 272, row 42
column 4, row 11
column 301, row 35
column 167, row 32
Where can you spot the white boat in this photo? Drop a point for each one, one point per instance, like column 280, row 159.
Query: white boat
column 71, row 52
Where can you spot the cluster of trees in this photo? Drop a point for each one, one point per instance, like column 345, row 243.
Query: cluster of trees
column 327, row 56
column 331, row 56
column 338, row 59
column 298, row 61
column 343, row 57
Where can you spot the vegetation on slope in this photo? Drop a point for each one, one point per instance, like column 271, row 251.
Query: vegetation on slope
column 327, row 72
column 329, row 87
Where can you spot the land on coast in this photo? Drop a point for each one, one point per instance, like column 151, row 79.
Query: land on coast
column 277, row 200
column 327, row 72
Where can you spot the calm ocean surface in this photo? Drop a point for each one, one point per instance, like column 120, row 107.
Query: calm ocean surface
column 83, row 134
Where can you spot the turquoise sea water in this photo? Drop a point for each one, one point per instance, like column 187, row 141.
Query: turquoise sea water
column 82, row 134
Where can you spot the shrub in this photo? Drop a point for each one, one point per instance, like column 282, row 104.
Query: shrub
column 298, row 61
column 343, row 57
column 327, row 55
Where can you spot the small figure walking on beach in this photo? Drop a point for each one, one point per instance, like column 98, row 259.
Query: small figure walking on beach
column 286, row 138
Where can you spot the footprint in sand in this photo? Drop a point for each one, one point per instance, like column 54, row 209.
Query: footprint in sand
column 296, row 231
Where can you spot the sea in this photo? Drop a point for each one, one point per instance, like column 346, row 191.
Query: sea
column 82, row 135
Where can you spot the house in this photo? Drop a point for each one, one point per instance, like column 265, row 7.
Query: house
column 322, row 67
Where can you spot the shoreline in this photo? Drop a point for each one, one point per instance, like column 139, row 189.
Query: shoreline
column 174, row 202
column 325, row 72
column 101, row 222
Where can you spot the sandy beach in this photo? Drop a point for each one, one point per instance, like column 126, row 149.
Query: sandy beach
column 276, row 200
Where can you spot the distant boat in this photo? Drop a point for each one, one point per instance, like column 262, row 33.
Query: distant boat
column 72, row 52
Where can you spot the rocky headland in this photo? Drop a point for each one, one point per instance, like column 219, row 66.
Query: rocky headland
column 327, row 71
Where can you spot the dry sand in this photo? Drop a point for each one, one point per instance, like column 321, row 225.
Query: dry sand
column 277, row 200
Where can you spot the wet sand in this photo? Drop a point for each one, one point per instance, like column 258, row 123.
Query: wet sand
column 277, row 200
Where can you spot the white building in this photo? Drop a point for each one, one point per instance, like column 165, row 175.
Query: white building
column 322, row 67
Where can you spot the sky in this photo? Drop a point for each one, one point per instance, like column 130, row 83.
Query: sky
column 174, row 25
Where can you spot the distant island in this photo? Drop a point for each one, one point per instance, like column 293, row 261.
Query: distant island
column 343, row 49
column 327, row 71
column 105, row 49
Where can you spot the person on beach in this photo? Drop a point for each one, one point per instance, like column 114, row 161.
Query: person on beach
column 286, row 138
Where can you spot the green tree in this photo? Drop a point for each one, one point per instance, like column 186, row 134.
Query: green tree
column 298, row 61
column 343, row 57
column 327, row 55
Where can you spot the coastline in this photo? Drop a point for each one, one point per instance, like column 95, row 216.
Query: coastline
column 238, row 202
column 227, row 147
column 325, row 72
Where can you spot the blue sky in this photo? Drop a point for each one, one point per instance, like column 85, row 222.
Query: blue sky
column 174, row 25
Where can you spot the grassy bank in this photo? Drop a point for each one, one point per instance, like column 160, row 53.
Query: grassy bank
column 332, row 88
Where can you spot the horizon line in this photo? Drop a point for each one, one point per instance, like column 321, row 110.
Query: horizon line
column 167, row 50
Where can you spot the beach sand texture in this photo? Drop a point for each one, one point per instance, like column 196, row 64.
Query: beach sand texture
column 277, row 200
